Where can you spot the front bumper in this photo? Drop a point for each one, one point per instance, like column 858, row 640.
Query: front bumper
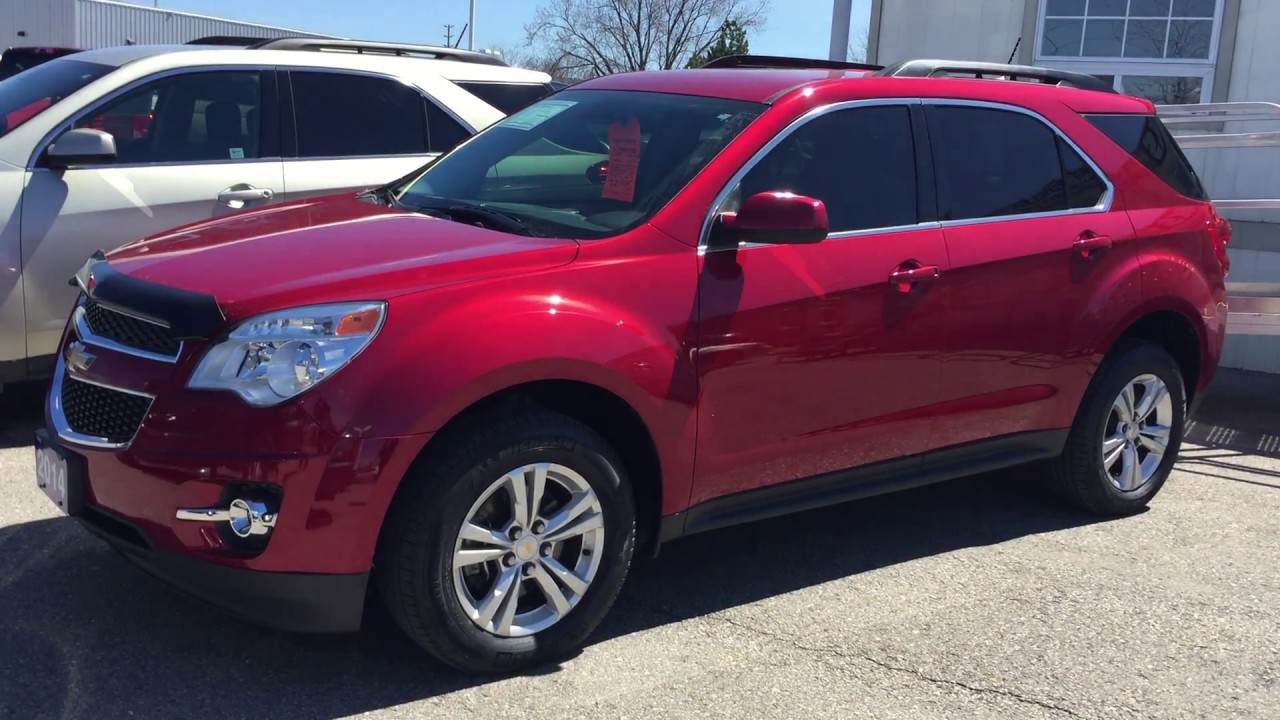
column 292, row 602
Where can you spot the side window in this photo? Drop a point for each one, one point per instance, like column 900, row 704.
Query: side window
column 507, row 97
column 194, row 117
column 1150, row 143
column 444, row 131
column 1084, row 188
column 859, row 162
column 994, row 163
column 343, row 115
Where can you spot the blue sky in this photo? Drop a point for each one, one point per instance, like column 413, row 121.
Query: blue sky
column 795, row 27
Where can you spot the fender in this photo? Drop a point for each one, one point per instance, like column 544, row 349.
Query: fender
column 594, row 322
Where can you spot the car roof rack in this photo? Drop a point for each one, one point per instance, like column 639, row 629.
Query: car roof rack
column 378, row 48
column 777, row 61
column 980, row 70
column 232, row 40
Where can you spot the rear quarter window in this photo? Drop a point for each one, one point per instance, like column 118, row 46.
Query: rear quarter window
column 508, row 97
column 1150, row 143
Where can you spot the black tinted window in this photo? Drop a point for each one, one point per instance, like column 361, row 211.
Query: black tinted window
column 1084, row 187
column 1149, row 141
column 339, row 115
column 30, row 93
column 444, row 131
column 507, row 97
column 193, row 117
column 994, row 163
column 860, row 163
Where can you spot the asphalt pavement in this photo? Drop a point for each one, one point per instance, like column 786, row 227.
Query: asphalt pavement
column 981, row 598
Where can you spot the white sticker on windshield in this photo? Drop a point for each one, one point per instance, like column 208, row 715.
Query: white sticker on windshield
column 237, row 153
column 535, row 115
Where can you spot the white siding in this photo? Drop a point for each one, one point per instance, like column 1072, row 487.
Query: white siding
column 983, row 30
column 101, row 23
column 1249, row 173
column 46, row 22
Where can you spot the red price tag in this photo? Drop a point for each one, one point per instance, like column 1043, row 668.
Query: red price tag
column 624, row 161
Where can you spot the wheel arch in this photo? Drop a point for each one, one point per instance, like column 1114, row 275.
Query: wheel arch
column 1175, row 326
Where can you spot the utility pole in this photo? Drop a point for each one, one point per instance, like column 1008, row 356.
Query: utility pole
column 448, row 36
column 471, row 34
column 841, row 11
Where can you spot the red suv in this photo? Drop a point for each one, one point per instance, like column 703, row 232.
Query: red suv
column 649, row 305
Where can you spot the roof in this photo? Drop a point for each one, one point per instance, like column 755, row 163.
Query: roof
column 765, row 85
column 191, row 55
column 748, row 84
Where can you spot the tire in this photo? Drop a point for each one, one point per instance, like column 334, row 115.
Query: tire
column 415, row 563
column 1081, row 474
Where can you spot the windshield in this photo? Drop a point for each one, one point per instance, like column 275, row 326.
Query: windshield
column 582, row 164
column 33, row 91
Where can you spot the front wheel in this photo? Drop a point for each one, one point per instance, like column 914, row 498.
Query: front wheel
column 1127, row 433
column 510, row 549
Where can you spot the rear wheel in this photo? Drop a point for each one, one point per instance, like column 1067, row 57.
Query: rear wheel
column 1127, row 434
column 509, row 550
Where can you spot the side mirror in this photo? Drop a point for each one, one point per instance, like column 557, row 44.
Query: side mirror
column 776, row 218
column 80, row 147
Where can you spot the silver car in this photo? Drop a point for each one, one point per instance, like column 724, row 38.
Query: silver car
column 107, row 146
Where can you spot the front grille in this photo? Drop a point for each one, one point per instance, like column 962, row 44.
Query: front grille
column 98, row 412
column 129, row 331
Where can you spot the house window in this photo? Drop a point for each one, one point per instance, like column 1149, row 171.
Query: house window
column 1163, row 50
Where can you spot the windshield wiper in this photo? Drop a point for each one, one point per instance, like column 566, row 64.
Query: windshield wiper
column 456, row 210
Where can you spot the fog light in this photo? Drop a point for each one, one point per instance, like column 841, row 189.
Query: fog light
column 245, row 518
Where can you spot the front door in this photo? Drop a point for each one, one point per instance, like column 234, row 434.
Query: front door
column 190, row 147
column 811, row 359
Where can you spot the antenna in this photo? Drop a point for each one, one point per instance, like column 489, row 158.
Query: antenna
column 1014, row 54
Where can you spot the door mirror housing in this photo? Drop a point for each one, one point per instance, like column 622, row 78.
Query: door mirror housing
column 776, row 218
column 82, row 146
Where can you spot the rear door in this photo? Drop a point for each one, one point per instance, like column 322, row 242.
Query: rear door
column 351, row 131
column 1036, row 248
column 191, row 145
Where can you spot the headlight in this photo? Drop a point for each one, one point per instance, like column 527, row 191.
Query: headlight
column 271, row 358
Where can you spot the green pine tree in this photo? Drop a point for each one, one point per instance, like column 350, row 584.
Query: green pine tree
column 731, row 39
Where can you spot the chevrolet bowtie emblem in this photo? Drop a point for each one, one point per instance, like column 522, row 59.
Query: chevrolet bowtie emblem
column 77, row 358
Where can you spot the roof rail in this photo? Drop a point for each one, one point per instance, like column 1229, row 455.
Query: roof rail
column 379, row 48
column 932, row 68
column 233, row 40
column 775, row 61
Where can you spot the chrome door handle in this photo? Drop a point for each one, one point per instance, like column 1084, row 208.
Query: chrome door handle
column 1088, row 243
column 906, row 276
column 238, row 195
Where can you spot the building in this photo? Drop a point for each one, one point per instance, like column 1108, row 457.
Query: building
column 88, row 24
column 1169, row 51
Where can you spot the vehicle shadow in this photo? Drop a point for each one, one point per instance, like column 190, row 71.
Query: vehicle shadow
column 21, row 412
column 1237, row 422
column 87, row 635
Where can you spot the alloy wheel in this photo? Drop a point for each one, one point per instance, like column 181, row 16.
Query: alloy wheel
column 1136, row 434
column 528, row 550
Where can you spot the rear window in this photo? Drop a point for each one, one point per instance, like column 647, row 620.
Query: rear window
column 1150, row 143
column 508, row 97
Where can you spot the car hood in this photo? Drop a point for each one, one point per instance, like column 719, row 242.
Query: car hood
column 329, row 250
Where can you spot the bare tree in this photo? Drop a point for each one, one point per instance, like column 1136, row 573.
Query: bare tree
column 601, row 37
column 558, row 66
column 858, row 46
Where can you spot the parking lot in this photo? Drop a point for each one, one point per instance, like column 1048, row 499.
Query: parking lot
column 980, row 598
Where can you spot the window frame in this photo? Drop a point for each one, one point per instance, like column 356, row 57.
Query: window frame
column 1104, row 203
column 269, row 113
column 1120, row 67
column 290, row 113
column 926, row 198
column 926, row 169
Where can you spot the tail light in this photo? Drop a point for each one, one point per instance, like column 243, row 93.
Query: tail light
column 1220, row 236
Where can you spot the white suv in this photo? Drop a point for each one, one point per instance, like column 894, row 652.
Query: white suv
column 108, row 146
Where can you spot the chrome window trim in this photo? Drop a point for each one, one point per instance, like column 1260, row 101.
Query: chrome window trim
column 85, row 333
column 1103, row 205
column 808, row 117
column 331, row 158
column 129, row 87
column 59, row 418
column 471, row 129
